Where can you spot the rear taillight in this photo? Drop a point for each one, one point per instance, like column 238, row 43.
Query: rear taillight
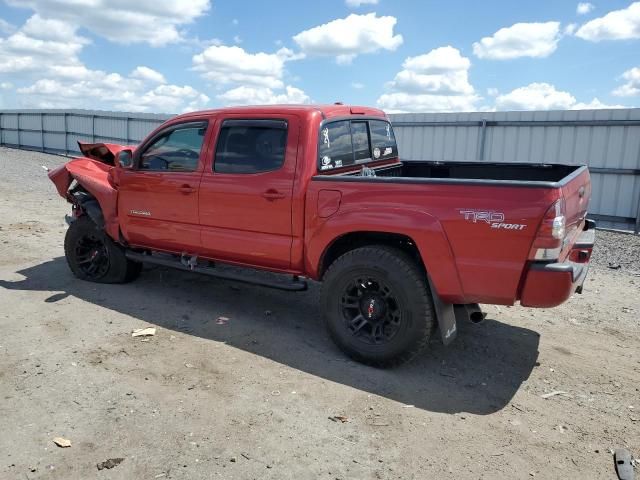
column 550, row 235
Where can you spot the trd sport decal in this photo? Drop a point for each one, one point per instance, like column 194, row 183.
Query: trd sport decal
column 495, row 219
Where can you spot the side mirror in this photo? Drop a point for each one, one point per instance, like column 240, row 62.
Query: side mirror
column 124, row 159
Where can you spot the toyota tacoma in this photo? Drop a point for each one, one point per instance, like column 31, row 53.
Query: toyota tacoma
column 402, row 248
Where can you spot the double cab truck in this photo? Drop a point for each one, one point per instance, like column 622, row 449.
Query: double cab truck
column 402, row 248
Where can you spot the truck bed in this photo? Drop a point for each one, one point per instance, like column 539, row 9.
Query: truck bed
column 469, row 260
column 429, row 171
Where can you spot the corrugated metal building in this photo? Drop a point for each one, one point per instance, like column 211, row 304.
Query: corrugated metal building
column 606, row 140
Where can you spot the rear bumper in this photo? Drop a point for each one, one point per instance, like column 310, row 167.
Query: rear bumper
column 550, row 284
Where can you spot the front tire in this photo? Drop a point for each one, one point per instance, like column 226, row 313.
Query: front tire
column 95, row 257
column 377, row 306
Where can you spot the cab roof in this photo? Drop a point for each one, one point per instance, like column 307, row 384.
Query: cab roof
column 328, row 111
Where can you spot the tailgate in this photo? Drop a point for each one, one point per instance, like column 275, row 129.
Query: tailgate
column 576, row 193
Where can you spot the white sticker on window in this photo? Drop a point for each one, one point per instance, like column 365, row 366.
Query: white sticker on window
column 326, row 160
column 376, row 152
column 338, row 163
column 388, row 127
column 325, row 137
column 388, row 151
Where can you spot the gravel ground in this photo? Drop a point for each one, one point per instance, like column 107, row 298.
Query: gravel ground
column 252, row 397
column 615, row 250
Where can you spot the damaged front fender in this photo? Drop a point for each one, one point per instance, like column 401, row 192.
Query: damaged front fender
column 93, row 176
column 61, row 178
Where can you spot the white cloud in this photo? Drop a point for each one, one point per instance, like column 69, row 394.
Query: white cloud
column 439, row 60
column 6, row 85
column 123, row 21
column 544, row 96
column 42, row 59
column 535, row 96
column 584, row 7
column 616, row 25
column 346, row 38
column 256, row 78
column 146, row 73
column 434, row 82
column 400, row 102
column 223, row 64
column 535, row 40
column 570, row 29
column 357, row 85
column 245, row 95
column 40, row 44
column 594, row 104
column 632, row 86
column 492, row 92
column 237, row 39
column 167, row 98
column 358, row 3
column 111, row 91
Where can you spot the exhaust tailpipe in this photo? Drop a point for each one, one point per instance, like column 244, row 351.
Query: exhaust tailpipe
column 476, row 315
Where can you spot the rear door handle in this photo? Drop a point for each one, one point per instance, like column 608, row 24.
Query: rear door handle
column 186, row 189
column 273, row 195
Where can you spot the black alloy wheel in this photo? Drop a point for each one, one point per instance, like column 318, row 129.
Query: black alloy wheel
column 92, row 256
column 371, row 310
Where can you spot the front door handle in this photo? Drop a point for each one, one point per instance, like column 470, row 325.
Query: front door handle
column 272, row 194
column 187, row 189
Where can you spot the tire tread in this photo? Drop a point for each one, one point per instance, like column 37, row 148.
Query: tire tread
column 383, row 254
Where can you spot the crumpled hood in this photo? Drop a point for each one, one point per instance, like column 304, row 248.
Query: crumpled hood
column 103, row 152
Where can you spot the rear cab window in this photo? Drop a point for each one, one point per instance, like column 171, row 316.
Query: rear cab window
column 343, row 143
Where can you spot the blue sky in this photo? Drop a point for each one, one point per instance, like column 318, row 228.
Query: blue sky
column 401, row 55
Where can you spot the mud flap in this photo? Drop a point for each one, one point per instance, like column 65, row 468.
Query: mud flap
column 446, row 317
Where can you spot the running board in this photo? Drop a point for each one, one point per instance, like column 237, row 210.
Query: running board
column 296, row 285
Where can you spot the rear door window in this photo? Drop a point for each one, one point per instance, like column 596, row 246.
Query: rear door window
column 251, row 146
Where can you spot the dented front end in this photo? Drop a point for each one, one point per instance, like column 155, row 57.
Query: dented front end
column 93, row 192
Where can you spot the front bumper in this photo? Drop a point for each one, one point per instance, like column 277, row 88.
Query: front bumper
column 550, row 284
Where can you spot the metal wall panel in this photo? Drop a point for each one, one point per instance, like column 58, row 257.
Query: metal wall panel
column 10, row 138
column 9, row 120
column 54, row 123
column 602, row 139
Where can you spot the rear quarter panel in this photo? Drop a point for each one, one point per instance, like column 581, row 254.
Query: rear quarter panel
column 467, row 259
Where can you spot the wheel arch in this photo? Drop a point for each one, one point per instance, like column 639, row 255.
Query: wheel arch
column 418, row 233
column 352, row 240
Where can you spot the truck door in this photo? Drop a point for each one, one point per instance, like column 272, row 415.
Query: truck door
column 158, row 199
column 246, row 191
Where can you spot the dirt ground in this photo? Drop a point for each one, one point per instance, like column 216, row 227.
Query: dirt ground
column 251, row 398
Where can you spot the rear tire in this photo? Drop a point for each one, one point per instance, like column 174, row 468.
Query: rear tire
column 95, row 257
column 377, row 306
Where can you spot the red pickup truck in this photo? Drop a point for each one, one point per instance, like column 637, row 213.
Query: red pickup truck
column 319, row 192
